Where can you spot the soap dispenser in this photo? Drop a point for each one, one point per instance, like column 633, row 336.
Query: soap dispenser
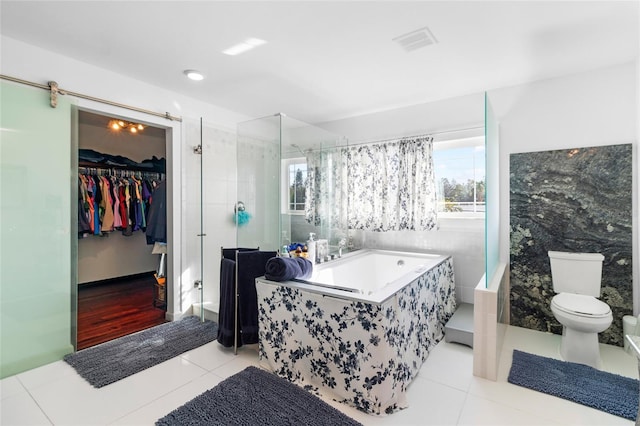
column 311, row 248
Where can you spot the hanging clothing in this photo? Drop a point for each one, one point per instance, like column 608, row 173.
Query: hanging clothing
column 106, row 205
column 157, row 218
column 107, row 202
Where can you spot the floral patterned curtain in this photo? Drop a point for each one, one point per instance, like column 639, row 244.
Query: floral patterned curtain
column 380, row 187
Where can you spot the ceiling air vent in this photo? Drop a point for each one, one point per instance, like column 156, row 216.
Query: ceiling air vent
column 416, row 39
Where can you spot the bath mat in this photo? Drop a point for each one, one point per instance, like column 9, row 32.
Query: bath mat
column 256, row 397
column 611, row 393
column 114, row 360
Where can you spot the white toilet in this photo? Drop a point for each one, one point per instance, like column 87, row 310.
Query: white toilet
column 576, row 280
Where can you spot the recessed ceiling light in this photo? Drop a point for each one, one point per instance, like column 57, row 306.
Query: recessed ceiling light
column 246, row 45
column 194, row 75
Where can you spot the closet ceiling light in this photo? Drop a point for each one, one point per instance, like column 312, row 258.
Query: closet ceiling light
column 118, row 125
column 246, row 45
column 194, row 75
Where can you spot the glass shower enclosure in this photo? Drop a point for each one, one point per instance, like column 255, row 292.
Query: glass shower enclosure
column 274, row 157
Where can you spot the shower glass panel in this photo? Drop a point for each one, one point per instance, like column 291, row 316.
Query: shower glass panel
column 274, row 156
column 218, row 198
column 309, row 152
column 492, row 184
column 192, row 210
column 258, row 176
column 38, row 232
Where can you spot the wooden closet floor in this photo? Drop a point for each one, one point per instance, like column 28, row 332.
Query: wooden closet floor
column 110, row 310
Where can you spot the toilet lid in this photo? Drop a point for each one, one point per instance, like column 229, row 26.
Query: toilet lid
column 581, row 304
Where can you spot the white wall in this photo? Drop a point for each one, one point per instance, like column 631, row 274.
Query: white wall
column 440, row 116
column 28, row 62
column 594, row 108
column 462, row 238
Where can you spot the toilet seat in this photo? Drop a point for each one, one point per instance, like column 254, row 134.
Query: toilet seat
column 581, row 305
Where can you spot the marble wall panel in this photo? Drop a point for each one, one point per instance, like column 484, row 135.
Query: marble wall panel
column 575, row 200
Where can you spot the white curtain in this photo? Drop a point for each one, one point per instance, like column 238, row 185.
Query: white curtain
column 380, row 187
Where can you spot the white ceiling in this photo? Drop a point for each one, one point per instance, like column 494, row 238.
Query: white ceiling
column 329, row 60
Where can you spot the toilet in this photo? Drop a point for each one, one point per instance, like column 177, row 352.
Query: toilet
column 576, row 279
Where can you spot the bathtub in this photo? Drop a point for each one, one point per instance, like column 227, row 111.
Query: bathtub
column 360, row 328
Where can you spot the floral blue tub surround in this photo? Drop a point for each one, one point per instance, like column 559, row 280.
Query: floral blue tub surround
column 361, row 353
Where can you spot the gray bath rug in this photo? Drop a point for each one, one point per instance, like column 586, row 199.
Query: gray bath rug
column 256, row 397
column 114, row 360
column 611, row 393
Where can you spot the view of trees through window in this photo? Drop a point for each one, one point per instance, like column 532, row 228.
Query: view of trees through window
column 297, row 181
column 460, row 174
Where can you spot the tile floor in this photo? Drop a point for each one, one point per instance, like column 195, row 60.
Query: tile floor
column 444, row 393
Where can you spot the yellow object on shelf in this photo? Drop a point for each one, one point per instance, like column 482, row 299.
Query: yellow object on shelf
column 160, row 280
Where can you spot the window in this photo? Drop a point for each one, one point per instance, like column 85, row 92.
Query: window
column 460, row 177
column 296, row 172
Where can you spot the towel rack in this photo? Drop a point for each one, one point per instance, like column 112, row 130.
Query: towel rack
column 258, row 268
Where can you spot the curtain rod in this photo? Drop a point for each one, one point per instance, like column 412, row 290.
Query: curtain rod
column 430, row 134
column 374, row 141
column 371, row 142
column 55, row 90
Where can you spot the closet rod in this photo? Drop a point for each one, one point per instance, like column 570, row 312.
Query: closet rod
column 53, row 87
column 116, row 170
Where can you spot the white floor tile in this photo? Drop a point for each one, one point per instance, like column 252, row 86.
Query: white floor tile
column 616, row 360
column 450, row 364
column 210, row 356
column 148, row 414
column 21, row 409
column 444, row 393
column 430, row 403
column 74, row 401
column 244, row 359
column 479, row 411
column 11, row 386
column 47, row 373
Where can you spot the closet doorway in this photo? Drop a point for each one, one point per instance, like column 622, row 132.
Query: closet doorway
column 121, row 269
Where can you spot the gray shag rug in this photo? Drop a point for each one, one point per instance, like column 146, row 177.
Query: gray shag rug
column 608, row 392
column 256, row 397
column 111, row 361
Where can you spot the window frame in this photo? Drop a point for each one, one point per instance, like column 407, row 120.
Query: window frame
column 450, row 144
column 286, row 163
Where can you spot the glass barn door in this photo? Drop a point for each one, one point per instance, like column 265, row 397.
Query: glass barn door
column 37, row 228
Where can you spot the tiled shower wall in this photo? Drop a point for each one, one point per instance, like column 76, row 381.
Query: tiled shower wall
column 573, row 200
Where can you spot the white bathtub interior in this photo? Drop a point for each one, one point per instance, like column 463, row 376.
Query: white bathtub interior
column 374, row 273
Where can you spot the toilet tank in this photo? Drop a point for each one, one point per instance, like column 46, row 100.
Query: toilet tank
column 579, row 273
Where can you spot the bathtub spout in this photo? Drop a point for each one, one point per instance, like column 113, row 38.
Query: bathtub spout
column 341, row 244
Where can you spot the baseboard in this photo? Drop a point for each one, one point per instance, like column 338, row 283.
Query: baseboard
column 118, row 279
column 209, row 312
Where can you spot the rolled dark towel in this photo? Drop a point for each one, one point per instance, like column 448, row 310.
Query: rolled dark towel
column 306, row 268
column 287, row 268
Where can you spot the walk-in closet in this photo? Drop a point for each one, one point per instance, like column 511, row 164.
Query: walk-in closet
column 121, row 227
